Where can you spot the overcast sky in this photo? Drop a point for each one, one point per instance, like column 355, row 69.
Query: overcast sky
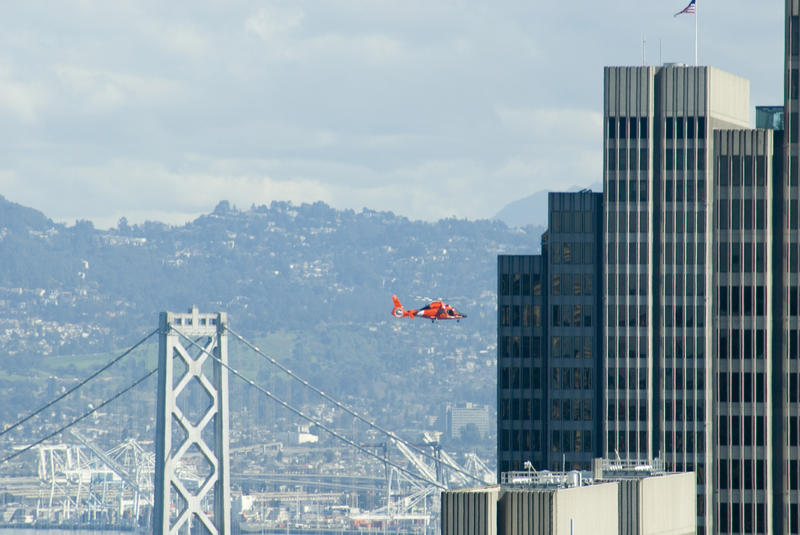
column 434, row 108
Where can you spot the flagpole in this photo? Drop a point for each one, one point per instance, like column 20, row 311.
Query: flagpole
column 695, row 34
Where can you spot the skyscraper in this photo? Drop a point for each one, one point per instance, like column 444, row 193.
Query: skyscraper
column 549, row 321
column 658, row 260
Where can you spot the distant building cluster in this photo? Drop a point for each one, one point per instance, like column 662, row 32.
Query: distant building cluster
column 661, row 318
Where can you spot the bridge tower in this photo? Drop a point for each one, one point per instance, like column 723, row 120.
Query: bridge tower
column 192, row 426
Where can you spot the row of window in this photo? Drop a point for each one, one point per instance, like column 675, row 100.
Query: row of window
column 685, row 125
column 624, row 159
column 739, row 214
column 572, row 253
column 520, row 316
column 620, row 347
column 738, row 301
column 626, row 316
column 524, row 378
column 625, row 444
column 680, row 190
column 524, row 440
column 630, row 377
column 628, row 222
column 569, row 410
column 678, row 384
column 526, row 347
column 572, row 221
column 741, row 344
column 674, row 127
column 684, row 411
column 735, row 475
column 571, row 316
column 679, row 222
column 631, row 127
column 622, row 190
column 568, row 441
column 739, row 257
column 741, row 431
column 746, row 387
column 618, row 253
column 684, row 254
column 680, row 159
column 678, row 284
column 617, row 410
column 571, row 347
column 734, row 523
column 571, row 378
column 684, row 315
column 520, row 284
column 520, row 409
column 688, row 442
column 621, row 284
column 571, row 284
column 736, row 170
column 676, row 350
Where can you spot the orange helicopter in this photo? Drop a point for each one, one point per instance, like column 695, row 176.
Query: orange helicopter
column 436, row 310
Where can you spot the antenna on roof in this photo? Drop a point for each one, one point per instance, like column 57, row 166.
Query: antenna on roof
column 644, row 51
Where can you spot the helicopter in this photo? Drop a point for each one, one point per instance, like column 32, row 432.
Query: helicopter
column 435, row 310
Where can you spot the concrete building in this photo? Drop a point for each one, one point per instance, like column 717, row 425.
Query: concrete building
column 549, row 346
column 786, row 371
column 742, row 329
column 658, row 282
column 621, row 500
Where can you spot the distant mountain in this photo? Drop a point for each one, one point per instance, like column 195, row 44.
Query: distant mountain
column 532, row 210
column 14, row 216
column 318, row 279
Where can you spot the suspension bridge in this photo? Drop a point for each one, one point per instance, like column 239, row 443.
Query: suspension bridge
column 181, row 482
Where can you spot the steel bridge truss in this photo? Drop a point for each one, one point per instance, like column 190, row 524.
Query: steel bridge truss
column 192, row 425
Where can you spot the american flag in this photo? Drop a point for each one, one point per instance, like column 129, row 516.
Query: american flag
column 687, row 9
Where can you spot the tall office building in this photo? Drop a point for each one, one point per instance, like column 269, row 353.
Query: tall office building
column 521, row 400
column 549, row 321
column 657, row 262
column 743, row 333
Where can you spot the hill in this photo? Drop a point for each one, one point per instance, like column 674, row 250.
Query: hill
column 318, row 279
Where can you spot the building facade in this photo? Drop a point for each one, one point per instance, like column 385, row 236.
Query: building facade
column 549, row 321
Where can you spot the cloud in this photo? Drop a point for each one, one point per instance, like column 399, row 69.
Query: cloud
column 429, row 109
column 271, row 23
column 21, row 100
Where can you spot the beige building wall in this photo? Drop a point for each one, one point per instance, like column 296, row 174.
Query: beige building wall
column 663, row 507
column 470, row 512
column 656, row 505
column 589, row 509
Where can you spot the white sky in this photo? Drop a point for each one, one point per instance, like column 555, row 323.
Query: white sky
column 158, row 110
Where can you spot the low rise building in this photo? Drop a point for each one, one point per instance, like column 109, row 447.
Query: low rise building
column 645, row 498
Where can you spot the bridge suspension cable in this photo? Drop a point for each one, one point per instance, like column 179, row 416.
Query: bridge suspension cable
column 77, row 386
column 350, row 411
column 81, row 417
column 306, row 417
